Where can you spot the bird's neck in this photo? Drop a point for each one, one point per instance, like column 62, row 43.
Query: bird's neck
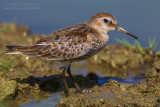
column 105, row 36
column 102, row 33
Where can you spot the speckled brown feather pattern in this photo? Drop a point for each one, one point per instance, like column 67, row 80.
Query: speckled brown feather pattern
column 72, row 43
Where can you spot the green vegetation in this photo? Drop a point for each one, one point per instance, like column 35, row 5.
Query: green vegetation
column 6, row 64
column 152, row 45
column 125, row 42
column 139, row 47
column 2, row 30
column 158, row 53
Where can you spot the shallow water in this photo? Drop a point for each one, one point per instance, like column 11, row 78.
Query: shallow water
column 51, row 101
column 47, row 99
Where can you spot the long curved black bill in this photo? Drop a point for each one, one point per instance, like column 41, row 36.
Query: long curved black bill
column 118, row 28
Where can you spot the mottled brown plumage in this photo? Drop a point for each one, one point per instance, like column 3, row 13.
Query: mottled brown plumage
column 74, row 43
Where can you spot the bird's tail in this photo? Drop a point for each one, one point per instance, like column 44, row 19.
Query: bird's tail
column 27, row 50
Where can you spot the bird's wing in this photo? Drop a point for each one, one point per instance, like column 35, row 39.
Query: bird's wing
column 69, row 43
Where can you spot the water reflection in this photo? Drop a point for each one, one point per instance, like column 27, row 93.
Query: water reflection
column 51, row 101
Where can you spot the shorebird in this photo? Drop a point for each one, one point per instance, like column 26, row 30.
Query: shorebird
column 73, row 43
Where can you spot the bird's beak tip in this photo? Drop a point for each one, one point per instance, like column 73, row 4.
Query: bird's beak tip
column 118, row 28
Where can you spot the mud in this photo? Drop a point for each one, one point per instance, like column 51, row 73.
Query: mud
column 23, row 79
column 119, row 61
column 143, row 94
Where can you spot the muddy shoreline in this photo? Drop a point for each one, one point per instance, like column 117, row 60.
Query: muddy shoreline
column 23, row 80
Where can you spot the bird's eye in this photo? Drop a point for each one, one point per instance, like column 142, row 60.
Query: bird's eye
column 105, row 20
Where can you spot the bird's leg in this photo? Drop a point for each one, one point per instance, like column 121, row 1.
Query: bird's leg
column 70, row 75
column 64, row 80
column 78, row 90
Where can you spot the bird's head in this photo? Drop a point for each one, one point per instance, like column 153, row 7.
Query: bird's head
column 105, row 22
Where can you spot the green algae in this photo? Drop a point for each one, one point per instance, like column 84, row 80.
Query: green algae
column 7, row 90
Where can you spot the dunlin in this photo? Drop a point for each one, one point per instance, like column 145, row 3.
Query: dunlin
column 73, row 43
